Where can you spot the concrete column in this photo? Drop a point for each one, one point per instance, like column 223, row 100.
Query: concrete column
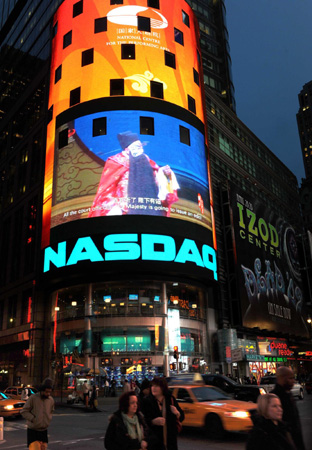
column 88, row 327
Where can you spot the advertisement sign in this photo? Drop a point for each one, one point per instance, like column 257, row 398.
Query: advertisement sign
column 274, row 347
column 174, row 328
column 97, row 176
column 268, row 267
column 124, row 52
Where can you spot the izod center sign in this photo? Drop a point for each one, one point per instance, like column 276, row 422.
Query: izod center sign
column 267, row 266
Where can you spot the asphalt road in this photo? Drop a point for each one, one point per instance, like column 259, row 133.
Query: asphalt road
column 73, row 428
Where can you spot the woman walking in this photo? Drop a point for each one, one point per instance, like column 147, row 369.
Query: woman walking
column 162, row 413
column 269, row 432
column 127, row 429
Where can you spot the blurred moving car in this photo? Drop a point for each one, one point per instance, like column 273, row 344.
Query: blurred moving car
column 269, row 381
column 243, row 392
column 16, row 391
column 10, row 407
column 209, row 408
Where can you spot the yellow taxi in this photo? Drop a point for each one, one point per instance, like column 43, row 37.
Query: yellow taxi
column 209, row 408
column 10, row 407
column 16, row 391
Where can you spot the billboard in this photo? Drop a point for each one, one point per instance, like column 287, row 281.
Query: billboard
column 127, row 53
column 97, row 176
column 268, row 267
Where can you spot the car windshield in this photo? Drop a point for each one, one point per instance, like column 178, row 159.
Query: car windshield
column 207, row 394
column 3, row 396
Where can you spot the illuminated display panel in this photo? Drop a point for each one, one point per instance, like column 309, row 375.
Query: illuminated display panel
column 105, row 43
column 122, row 28
column 268, row 267
column 94, row 176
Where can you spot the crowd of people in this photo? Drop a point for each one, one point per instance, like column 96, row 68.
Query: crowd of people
column 149, row 417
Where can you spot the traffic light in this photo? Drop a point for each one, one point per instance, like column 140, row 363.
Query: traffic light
column 175, row 352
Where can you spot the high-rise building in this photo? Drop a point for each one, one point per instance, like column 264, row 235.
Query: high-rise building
column 86, row 283
column 121, row 267
column 214, row 43
column 304, row 121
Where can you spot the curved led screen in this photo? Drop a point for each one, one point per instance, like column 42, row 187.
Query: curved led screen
column 106, row 167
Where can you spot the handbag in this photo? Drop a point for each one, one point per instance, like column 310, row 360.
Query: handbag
column 178, row 423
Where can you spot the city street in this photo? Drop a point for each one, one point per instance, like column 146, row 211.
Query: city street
column 73, row 428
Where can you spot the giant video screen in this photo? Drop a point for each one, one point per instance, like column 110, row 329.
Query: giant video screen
column 268, row 267
column 103, row 166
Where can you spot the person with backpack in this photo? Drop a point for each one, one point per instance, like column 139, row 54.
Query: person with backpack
column 127, row 428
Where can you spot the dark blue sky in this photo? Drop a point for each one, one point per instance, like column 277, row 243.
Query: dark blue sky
column 271, row 51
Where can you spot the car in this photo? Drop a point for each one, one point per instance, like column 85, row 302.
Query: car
column 16, row 391
column 244, row 392
column 211, row 409
column 269, row 381
column 10, row 407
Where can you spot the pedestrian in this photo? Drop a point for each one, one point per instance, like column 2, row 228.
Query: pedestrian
column 85, row 392
column 127, row 428
column 269, row 432
column 144, row 391
column 126, row 386
column 113, row 387
column 106, row 387
column 285, row 381
column 25, row 394
column 38, row 412
column 161, row 412
column 93, row 398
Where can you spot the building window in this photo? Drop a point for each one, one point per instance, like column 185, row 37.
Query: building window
column 198, row 58
column 191, row 104
column 144, row 23
column 196, row 76
column 54, row 31
column 74, row 97
column 63, row 138
column 178, row 36
column 87, row 57
column 147, row 125
column 78, row 8
column 157, row 89
column 117, row 87
column 67, row 39
column 185, row 18
column 185, row 135
column 153, row 3
column 12, row 309
column 116, row 2
column 170, row 59
column 99, row 127
column 50, row 114
column 58, row 74
column 100, row 25
column 127, row 51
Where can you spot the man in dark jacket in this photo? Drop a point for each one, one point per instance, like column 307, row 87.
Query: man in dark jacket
column 285, row 381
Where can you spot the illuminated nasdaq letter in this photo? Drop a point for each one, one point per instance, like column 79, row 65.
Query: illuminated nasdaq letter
column 57, row 258
column 121, row 247
column 167, row 244
column 85, row 249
